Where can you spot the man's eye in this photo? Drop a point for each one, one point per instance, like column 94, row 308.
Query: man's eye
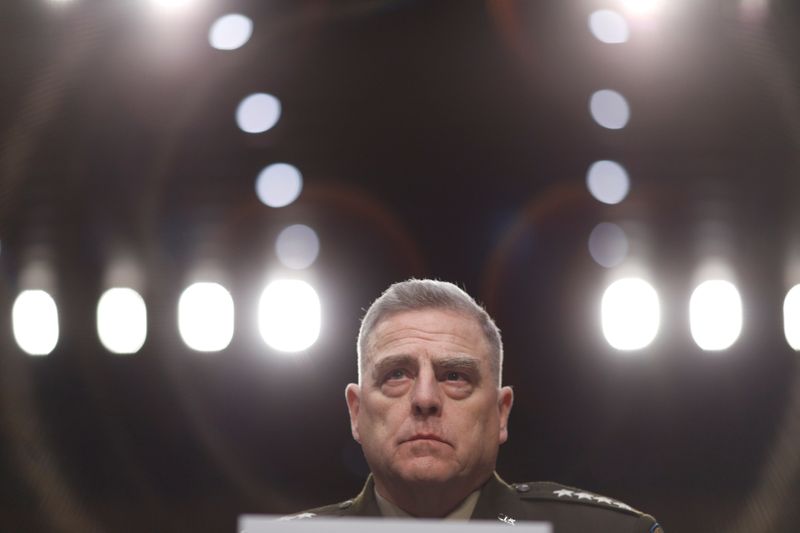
column 396, row 374
column 454, row 376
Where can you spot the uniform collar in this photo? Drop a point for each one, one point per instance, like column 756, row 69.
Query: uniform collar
column 462, row 512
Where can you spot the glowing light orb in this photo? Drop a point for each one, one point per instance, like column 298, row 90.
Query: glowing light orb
column 608, row 182
column 289, row 315
column 608, row 245
column 297, row 246
column 205, row 317
column 715, row 315
column 630, row 314
column 122, row 320
column 791, row 317
column 609, row 109
column 608, row 26
column 258, row 112
column 279, row 185
column 230, row 32
column 34, row 320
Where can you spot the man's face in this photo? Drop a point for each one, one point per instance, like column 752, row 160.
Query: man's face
column 428, row 408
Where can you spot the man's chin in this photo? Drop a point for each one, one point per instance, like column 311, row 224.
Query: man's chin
column 426, row 470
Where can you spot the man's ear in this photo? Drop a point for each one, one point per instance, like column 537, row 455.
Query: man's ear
column 504, row 402
column 352, row 394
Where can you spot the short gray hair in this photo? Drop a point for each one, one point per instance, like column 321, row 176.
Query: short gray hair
column 419, row 294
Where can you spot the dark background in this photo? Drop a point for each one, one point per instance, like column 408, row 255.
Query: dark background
column 445, row 139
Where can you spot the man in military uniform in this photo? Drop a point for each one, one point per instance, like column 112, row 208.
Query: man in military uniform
column 430, row 414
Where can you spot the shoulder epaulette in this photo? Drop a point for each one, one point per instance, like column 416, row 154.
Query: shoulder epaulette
column 547, row 490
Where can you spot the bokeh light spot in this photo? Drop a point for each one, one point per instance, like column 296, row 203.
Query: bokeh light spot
column 122, row 320
column 630, row 314
column 230, row 32
column 170, row 5
column 715, row 315
column 297, row 246
column 205, row 317
column 608, row 26
column 258, row 112
column 608, row 245
column 791, row 317
column 609, row 109
column 608, row 181
column 34, row 320
column 289, row 315
column 279, row 185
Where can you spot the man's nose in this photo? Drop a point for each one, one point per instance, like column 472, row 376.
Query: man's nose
column 426, row 397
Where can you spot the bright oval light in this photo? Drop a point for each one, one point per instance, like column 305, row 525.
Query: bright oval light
column 34, row 320
column 297, row 246
column 289, row 315
column 279, row 185
column 715, row 315
column 122, row 320
column 630, row 314
column 205, row 317
column 608, row 181
column 791, row 317
column 230, row 32
column 609, row 109
column 608, row 26
column 258, row 112
column 170, row 5
column 608, row 245
column 642, row 7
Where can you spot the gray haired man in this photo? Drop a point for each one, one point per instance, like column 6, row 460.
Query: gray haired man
column 430, row 413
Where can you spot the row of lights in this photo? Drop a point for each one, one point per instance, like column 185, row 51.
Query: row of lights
column 289, row 318
column 631, row 315
column 607, row 180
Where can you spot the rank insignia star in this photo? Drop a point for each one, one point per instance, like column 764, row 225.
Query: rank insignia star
column 621, row 505
column 506, row 519
column 563, row 492
column 585, row 496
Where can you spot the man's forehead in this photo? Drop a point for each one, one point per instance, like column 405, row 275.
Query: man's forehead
column 454, row 331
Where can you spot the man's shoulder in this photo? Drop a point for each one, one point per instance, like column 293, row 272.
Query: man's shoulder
column 563, row 504
column 556, row 492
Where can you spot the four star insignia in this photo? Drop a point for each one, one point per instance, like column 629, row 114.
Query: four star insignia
column 591, row 497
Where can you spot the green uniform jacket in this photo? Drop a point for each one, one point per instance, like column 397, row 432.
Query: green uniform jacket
column 570, row 510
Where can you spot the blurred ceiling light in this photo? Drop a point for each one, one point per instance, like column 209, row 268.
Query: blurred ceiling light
column 642, row 7
column 609, row 109
column 297, row 246
column 715, row 315
column 608, row 26
column 791, row 317
column 258, row 112
column 205, row 317
column 608, row 181
column 289, row 315
column 608, row 245
column 279, row 184
column 34, row 320
column 230, row 32
column 630, row 314
column 170, row 5
column 122, row 320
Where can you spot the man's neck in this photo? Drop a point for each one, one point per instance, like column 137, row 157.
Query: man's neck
column 427, row 500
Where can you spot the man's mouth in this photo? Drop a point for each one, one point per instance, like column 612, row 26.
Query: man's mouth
column 426, row 436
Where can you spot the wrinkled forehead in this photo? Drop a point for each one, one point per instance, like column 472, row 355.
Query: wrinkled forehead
column 437, row 330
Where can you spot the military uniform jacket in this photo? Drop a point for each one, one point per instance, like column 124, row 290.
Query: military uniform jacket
column 570, row 510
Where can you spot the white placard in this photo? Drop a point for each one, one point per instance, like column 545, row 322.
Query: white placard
column 272, row 524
